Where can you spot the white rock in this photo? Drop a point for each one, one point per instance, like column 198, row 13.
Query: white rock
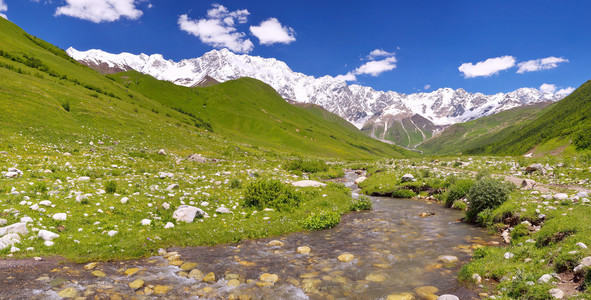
column 161, row 152
column 477, row 279
column 168, row 225
column 448, row 259
column 45, row 203
column 14, row 249
column 26, row 219
column 124, row 200
column 84, row 178
column 17, row 228
column 3, row 222
column 186, row 213
column 204, row 203
column 60, row 217
column 360, row 179
column 34, row 206
column 163, row 175
column 223, row 210
column 448, row 297
column 560, row 196
column 556, row 293
column 508, row 255
column 308, row 183
column 545, row 278
column 48, row 243
column 112, row 232
column 165, row 205
column 585, row 262
column 47, row 235
column 9, row 240
column 146, row 222
column 11, row 174
column 583, row 246
column 407, row 177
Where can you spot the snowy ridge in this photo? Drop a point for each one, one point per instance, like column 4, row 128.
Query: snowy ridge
column 355, row 103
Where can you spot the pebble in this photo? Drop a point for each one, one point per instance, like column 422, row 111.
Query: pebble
column 210, row 277
column 304, row 250
column 266, row 277
column 346, row 257
column 136, row 284
column 448, row 259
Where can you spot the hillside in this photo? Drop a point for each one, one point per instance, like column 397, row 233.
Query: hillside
column 457, row 138
column 565, row 124
column 48, row 96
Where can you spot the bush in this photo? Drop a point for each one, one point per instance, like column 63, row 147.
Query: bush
column 271, row 193
column 486, row 193
column 403, row 194
column 235, row 183
column 66, row 105
column 519, row 231
column 361, row 203
column 322, row 220
column 457, row 191
column 308, row 165
column 111, row 187
column 459, row 204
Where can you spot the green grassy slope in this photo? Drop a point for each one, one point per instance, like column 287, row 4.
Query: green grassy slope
column 46, row 95
column 558, row 126
column 459, row 137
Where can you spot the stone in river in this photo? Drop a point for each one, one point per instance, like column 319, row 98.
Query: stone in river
column 304, row 250
column 448, row 259
column 196, row 274
column 187, row 266
column 210, row 277
column 266, row 277
column 375, row 277
column 162, row 289
column 131, row 271
column 276, row 243
column 346, row 257
column 403, row 296
column 136, row 284
column 69, row 292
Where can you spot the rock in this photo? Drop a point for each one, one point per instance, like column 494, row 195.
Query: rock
column 84, row 178
column 186, row 213
column 375, row 277
column 233, row 282
column 161, row 152
column 3, row 222
column 404, row 296
column 360, row 179
column 407, row 178
column 308, row 183
column 112, row 233
column 146, row 222
column 304, row 250
column 98, row 273
column 556, row 293
column 60, row 217
column 45, row 203
column 477, row 279
column 266, row 277
column 68, row 292
column 47, row 235
column 581, row 245
column 17, row 228
column 585, row 263
column 223, row 210
column 168, row 225
column 528, row 184
column 162, row 289
column 508, row 255
column 560, row 196
column 187, row 266
column 171, row 187
column 196, row 274
column 8, row 240
column 48, row 243
column 131, row 271
column 346, row 257
column 163, row 175
column 210, row 277
column 545, row 278
column 276, row 243
column 124, row 200
column 197, row 158
column 535, row 167
column 426, row 292
column 91, row 265
column 448, row 259
column 165, row 205
column 426, row 214
column 448, row 297
column 136, row 284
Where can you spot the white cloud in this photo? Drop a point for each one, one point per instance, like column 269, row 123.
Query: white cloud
column 540, row 64
column 271, row 31
column 566, row 91
column 376, row 67
column 98, row 11
column 488, row 67
column 218, row 29
column 347, row 77
column 379, row 53
column 427, row 86
column 547, row 88
column 3, row 9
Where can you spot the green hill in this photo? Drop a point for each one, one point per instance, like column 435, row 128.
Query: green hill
column 460, row 137
column 564, row 125
column 46, row 95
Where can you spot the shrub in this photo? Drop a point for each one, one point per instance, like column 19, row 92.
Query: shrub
column 322, row 220
column 459, row 204
column 39, row 187
column 403, row 194
column 308, row 165
column 361, row 203
column 66, row 105
column 519, row 231
column 111, row 187
column 457, row 191
column 273, row 193
column 486, row 193
column 235, row 183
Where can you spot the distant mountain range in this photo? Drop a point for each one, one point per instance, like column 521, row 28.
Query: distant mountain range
column 405, row 119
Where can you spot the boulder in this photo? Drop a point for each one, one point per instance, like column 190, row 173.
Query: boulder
column 360, row 179
column 9, row 240
column 60, row 217
column 197, row 158
column 223, row 210
column 407, row 178
column 535, row 167
column 448, row 259
column 187, row 213
column 585, row 263
column 47, row 235
column 146, row 222
column 560, row 196
column 545, row 278
column 528, row 184
column 308, row 183
column 556, row 293
column 18, row 228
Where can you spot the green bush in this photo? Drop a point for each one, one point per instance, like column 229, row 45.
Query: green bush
column 111, row 187
column 235, row 183
column 403, row 194
column 322, row 220
column 271, row 193
column 66, row 105
column 457, row 191
column 518, row 231
column 307, row 165
column 39, row 187
column 459, row 205
column 486, row 193
column 361, row 203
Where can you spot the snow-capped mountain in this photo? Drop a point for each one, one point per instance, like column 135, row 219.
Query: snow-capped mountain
column 375, row 111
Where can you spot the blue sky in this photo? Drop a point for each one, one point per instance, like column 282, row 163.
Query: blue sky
column 481, row 46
